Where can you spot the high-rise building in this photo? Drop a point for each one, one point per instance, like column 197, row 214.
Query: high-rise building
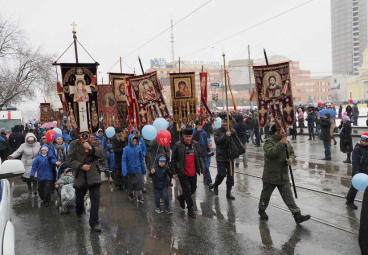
column 348, row 35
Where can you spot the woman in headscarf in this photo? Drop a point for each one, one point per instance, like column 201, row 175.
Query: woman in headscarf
column 29, row 150
column 58, row 151
column 346, row 141
column 301, row 120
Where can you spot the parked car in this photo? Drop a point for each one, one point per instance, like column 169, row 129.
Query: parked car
column 8, row 168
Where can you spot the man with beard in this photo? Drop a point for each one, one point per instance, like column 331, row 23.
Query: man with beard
column 118, row 145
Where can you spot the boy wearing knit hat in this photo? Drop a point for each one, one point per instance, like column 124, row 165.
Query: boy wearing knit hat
column 360, row 162
column 160, row 175
column 186, row 162
column 42, row 169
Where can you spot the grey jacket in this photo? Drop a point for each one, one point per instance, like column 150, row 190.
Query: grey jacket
column 29, row 152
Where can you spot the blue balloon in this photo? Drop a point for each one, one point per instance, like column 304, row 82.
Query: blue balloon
column 149, row 132
column 315, row 105
column 160, row 124
column 355, row 101
column 58, row 131
column 110, row 132
column 360, row 181
column 217, row 123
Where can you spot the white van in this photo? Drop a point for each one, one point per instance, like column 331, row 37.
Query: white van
column 9, row 117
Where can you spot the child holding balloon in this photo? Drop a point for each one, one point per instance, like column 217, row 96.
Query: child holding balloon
column 360, row 163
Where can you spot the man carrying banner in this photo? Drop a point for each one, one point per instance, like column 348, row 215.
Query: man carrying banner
column 222, row 140
column 275, row 174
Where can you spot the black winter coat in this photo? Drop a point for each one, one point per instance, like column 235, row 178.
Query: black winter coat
column 118, row 146
column 223, row 143
column 177, row 163
column 241, row 128
column 325, row 129
column 310, row 119
column 360, row 159
column 208, row 128
column 250, row 123
column 162, row 174
column 16, row 138
column 346, row 141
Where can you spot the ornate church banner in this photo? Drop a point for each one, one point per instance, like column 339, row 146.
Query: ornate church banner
column 45, row 110
column 150, row 101
column 183, row 96
column 108, row 106
column 273, row 90
column 204, row 110
column 80, row 90
column 119, row 85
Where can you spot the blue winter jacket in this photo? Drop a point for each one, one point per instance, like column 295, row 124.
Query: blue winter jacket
column 111, row 159
column 103, row 141
column 132, row 161
column 43, row 166
column 52, row 150
column 142, row 144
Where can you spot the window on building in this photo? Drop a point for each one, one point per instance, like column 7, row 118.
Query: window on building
column 298, row 91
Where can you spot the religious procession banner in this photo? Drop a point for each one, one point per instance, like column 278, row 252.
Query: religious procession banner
column 273, row 91
column 45, row 110
column 149, row 97
column 183, row 96
column 80, row 90
column 119, row 84
column 108, row 105
column 132, row 107
column 204, row 110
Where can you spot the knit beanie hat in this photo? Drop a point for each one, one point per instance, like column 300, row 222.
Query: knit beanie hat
column 346, row 118
column 162, row 159
column 364, row 136
column 2, row 130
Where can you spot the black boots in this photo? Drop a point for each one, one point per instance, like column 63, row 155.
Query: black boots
column 299, row 218
column 263, row 214
column 228, row 193
column 215, row 188
column 34, row 187
column 351, row 205
column 347, row 159
column 29, row 187
column 191, row 213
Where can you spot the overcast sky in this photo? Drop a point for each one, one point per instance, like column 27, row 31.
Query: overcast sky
column 110, row 29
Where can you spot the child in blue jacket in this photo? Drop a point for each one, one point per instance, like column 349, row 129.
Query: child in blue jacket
column 132, row 164
column 42, row 169
column 110, row 156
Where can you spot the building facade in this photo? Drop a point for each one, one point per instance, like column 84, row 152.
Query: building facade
column 358, row 85
column 348, row 34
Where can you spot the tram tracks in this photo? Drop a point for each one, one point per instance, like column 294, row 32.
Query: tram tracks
column 306, row 188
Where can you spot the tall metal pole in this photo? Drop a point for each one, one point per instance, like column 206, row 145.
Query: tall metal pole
column 227, row 110
column 250, row 78
column 223, row 88
column 75, row 41
column 121, row 68
column 140, row 62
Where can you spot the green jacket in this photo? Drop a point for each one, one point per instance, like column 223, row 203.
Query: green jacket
column 275, row 167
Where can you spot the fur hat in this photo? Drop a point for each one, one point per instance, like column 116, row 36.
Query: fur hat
column 118, row 130
column 188, row 131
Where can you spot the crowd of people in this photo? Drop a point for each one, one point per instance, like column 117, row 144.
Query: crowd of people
column 72, row 166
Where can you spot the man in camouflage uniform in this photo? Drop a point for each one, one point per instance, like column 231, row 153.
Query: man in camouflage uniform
column 275, row 174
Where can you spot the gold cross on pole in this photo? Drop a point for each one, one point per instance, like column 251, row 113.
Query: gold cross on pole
column 74, row 25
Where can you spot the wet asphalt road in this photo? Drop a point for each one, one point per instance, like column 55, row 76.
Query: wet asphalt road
column 221, row 227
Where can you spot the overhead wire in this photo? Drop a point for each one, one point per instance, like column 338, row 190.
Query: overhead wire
column 167, row 29
column 258, row 24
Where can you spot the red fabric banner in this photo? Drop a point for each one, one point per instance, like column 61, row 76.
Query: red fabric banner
column 204, row 110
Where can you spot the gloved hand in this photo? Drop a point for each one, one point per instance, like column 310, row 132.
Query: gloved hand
column 32, row 178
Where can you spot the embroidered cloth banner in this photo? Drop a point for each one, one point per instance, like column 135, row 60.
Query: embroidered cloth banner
column 183, row 96
column 80, row 91
column 273, row 91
